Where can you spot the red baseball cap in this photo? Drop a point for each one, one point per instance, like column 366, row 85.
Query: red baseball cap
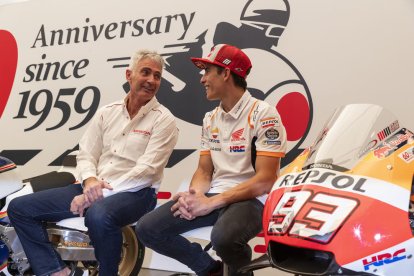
column 226, row 56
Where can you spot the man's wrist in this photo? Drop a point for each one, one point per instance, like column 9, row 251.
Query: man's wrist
column 86, row 181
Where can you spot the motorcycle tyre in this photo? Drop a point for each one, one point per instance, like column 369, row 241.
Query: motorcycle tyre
column 132, row 254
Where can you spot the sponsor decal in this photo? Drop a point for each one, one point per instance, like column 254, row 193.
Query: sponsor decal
column 332, row 178
column 216, row 141
column 368, row 147
column 142, row 132
column 76, row 244
column 237, row 135
column 237, row 148
column 226, row 61
column 388, row 130
column 407, row 155
column 384, row 259
column 272, row 134
column 393, row 143
column 269, row 142
column 240, row 106
column 215, row 149
column 255, row 112
column 269, row 122
column 321, row 165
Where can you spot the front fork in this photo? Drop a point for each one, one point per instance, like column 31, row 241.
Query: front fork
column 17, row 260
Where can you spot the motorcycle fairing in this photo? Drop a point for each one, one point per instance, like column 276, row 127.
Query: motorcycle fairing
column 361, row 215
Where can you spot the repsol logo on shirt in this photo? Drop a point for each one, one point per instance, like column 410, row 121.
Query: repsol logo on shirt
column 237, row 148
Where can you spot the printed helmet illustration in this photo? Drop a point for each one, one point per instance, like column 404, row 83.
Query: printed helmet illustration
column 257, row 34
column 271, row 22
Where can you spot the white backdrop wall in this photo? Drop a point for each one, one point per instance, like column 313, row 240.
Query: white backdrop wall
column 309, row 57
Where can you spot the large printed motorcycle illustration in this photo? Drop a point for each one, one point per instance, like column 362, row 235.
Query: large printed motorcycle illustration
column 342, row 207
column 69, row 237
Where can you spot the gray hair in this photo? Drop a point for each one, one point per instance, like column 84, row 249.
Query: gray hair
column 142, row 54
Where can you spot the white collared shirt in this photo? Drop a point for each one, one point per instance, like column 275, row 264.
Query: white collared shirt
column 129, row 154
column 227, row 137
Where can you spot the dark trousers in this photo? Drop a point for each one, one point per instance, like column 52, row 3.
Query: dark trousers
column 104, row 219
column 233, row 227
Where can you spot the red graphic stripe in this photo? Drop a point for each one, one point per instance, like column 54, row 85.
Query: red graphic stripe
column 163, row 195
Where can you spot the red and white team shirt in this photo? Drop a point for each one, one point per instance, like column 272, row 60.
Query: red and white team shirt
column 228, row 137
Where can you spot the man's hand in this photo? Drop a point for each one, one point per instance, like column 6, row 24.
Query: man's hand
column 180, row 207
column 79, row 204
column 191, row 204
column 93, row 189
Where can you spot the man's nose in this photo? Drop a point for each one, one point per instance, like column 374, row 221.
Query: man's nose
column 151, row 78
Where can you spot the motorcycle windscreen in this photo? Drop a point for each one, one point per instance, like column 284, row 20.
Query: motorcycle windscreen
column 330, row 198
column 351, row 132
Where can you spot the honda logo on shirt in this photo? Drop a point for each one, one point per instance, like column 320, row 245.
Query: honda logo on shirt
column 237, row 148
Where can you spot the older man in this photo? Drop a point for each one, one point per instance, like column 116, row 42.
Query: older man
column 120, row 164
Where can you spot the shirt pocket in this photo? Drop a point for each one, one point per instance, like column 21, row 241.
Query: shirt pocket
column 136, row 144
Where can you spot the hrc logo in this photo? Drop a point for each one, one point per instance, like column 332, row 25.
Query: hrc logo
column 383, row 259
column 237, row 148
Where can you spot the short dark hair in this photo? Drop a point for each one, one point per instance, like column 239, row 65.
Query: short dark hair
column 238, row 80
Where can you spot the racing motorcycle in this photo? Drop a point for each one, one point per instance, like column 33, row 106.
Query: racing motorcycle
column 69, row 237
column 342, row 207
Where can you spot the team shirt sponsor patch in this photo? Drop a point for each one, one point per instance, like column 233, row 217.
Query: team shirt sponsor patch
column 214, row 132
column 142, row 132
column 237, row 135
column 269, row 122
column 237, row 149
column 272, row 134
column 272, row 142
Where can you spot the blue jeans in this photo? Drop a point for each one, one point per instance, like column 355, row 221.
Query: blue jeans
column 233, row 227
column 104, row 220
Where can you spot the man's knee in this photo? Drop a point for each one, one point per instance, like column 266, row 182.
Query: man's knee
column 222, row 241
column 144, row 228
column 16, row 206
column 99, row 218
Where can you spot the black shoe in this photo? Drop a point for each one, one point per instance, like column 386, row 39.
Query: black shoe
column 217, row 270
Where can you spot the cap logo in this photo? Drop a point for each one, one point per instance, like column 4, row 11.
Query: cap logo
column 226, row 61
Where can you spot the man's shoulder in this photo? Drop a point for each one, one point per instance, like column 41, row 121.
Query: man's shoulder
column 259, row 107
column 112, row 106
column 163, row 111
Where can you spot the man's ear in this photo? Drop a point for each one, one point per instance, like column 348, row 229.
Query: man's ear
column 226, row 73
column 128, row 73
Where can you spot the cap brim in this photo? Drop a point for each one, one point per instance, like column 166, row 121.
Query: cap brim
column 200, row 62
